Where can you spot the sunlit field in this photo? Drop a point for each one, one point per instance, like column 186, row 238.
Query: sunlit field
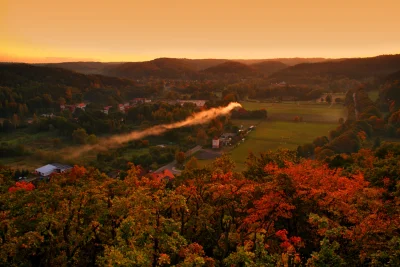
column 272, row 135
column 311, row 112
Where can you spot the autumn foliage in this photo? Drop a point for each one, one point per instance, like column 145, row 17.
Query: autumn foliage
column 280, row 212
column 21, row 186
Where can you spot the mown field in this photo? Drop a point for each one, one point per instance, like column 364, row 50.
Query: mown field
column 280, row 131
column 310, row 111
column 272, row 135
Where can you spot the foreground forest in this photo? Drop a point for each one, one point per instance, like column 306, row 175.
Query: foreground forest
column 281, row 211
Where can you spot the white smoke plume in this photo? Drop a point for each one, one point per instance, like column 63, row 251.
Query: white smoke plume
column 116, row 140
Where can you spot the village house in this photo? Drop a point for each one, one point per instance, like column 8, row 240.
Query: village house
column 139, row 100
column 72, row 108
column 106, row 109
column 121, row 108
column 163, row 175
column 51, row 115
column 215, row 143
column 81, row 106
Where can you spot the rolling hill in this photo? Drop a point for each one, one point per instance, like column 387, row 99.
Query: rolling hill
column 30, row 81
column 170, row 68
column 393, row 76
column 286, row 61
column 176, row 68
column 268, row 67
column 231, row 68
column 354, row 68
column 84, row 67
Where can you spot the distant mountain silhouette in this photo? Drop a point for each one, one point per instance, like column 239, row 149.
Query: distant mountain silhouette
column 286, row 61
column 172, row 67
column 292, row 70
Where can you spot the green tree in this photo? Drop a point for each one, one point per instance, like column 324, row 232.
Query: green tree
column 192, row 163
column 201, row 137
column 180, row 157
column 92, row 139
column 328, row 99
column 80, row 136
column 326, row 256
column 61, row 101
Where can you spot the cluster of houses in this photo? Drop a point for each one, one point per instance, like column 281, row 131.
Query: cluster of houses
column 124, row 107
column 228, row 139
column 281, row 84
column 198, row 103
column 72, row 108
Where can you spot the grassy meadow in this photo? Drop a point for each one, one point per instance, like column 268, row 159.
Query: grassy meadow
column 280, row 131
column 310, row 111
column 272, row 135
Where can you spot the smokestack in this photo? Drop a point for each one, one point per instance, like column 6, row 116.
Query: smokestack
column 116, row 140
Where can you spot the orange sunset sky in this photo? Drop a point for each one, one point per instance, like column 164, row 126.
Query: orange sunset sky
column 115, row 30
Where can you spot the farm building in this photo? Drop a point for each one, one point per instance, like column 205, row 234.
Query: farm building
column 48, row 169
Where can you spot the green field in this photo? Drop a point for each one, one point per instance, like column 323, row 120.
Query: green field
column 272, row 135
column 310, row 111
column 279, row 131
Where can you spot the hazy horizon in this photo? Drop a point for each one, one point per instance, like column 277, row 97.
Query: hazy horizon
column 72, row 60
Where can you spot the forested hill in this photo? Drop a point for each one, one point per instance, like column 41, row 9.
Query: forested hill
column 268, row 67
column 157, row 67
column 393, row 76
column 24, row 82
column 170, row 68
column 23, row 74
column 83, row 67
column 177, row 68
column 231, row 67
column 354, row 68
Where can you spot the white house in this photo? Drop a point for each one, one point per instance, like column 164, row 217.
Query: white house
column 48, row 169
column 106, row 109
column 215, row 143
